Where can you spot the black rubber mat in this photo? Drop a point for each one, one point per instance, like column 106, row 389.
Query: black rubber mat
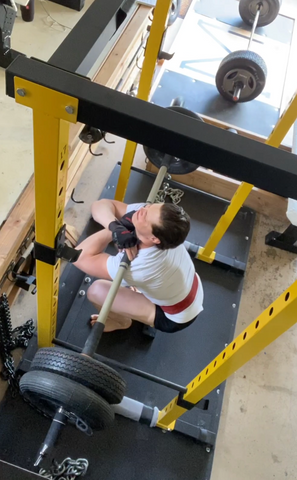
column 226, row 11
column 129, row 450
column 204, row 98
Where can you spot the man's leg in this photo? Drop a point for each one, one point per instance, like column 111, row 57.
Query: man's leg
column 127, row 305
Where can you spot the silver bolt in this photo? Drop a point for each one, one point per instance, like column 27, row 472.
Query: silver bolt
column 21, row 92
column 69, row 109
column 226, row 344
column 233, row 305
column 218, row 391
column 207, row 449
column 63, row 284
column 81, row 293
column 87, row 280
column 108, row 187
column 246, row 238
column 159, row 86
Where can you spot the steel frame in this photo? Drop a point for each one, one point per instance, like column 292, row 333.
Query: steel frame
column 58, row 97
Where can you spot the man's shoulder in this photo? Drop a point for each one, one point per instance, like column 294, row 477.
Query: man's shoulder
column 134, row 206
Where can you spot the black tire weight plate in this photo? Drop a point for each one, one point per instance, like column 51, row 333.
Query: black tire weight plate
column 269, row 11
column 84, row 370
column 237, row 66
column 177, row 166
column 48, row 391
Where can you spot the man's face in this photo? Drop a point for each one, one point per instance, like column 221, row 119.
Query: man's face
column 144, row 219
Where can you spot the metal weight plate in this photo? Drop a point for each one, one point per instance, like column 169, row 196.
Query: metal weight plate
column 177, row 165
column 174, row 11
column 244, row 69
column 269, row 11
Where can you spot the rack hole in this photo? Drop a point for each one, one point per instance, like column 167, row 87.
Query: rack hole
column 62, row 165
column 59, row 214
column 287, row 296
column 56, row 266
column 271, row 311
column 60, row 192
column 233, row 346
column 199, row 379
column 257, row 324
column 55, row 292
column 224, row 354
column 215, row 363
column 244, row 336
column 206, row 371
column 192, row 384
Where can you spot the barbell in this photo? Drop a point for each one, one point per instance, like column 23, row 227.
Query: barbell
column 242, row 74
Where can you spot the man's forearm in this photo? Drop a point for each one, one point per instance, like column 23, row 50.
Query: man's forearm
column 95, row 243
column 104, row 212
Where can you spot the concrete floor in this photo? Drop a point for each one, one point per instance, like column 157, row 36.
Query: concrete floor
column 258, row 425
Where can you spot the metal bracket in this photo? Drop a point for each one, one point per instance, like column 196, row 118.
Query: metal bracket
column 197, row 433
column 284, row 241
column 7, row 18
column 51, row 255
column 26, row 281
column 202, row 404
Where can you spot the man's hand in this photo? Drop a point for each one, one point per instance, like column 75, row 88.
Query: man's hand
column 126, row 220
column 122, row 237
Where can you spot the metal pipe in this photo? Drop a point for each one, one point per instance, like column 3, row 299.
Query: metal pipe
column 255, row 24
column 237, row 92
column 125, row 368
column 59, row 421
column 157, row 183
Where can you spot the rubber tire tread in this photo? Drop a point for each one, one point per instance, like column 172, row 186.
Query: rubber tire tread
column 246, row 16
column 234, row 60
column 82, row 369
column 76, row 398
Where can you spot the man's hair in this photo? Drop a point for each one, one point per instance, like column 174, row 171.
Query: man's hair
column 174, row 226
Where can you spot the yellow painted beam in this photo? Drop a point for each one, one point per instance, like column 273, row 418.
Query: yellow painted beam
column 275, row 320
column 277, row 135
column 148, row 68
column 52, row 112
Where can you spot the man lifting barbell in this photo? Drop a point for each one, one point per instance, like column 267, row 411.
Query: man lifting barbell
column 169, row 292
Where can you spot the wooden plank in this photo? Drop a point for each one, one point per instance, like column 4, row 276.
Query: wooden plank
column 117, row 62
column 261, row 201
column 16, row 226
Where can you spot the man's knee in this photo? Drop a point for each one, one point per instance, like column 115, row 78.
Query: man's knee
column 94, row 208
column 97, row 291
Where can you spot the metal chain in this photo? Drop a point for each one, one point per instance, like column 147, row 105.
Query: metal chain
column 9, row 340
column 166, row 191
column 69, row 469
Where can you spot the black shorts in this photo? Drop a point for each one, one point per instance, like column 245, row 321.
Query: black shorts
column 165, row 325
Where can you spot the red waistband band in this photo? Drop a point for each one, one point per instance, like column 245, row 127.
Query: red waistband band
column 186, row 302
